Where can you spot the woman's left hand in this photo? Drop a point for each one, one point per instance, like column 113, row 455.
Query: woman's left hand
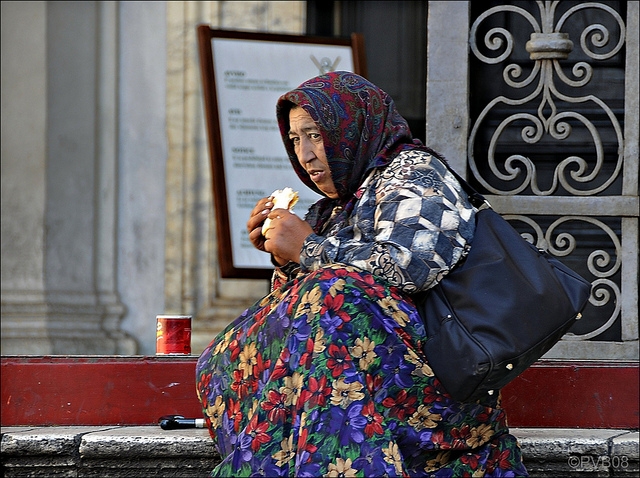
column 285, row 237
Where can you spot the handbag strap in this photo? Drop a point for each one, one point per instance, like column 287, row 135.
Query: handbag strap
column 476, row 199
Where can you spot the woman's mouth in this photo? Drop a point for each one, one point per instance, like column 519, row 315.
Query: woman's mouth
column 316, row 175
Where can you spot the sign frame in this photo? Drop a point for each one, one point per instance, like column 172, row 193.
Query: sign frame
column 213, row 96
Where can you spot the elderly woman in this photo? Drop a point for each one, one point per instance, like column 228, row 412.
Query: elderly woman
column 326, row 376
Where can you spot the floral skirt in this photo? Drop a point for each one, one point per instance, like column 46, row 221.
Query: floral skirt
column 326, row 376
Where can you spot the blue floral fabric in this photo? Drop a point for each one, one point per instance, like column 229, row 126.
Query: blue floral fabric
column 326, row 377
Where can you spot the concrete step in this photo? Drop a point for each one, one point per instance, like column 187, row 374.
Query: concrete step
column 87, row 451
column 149, row 451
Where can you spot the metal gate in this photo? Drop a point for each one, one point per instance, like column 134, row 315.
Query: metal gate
column 538, row 103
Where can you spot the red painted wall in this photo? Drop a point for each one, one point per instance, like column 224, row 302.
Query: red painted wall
column 97, row 390
column 574, row 394
column 118, row 390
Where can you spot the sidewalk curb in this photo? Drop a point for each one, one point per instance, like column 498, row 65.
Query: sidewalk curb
column 119, row 451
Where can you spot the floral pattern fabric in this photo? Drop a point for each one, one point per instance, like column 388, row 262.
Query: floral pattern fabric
column 326, row 376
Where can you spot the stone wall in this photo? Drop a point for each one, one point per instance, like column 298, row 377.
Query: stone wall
column 107, row 215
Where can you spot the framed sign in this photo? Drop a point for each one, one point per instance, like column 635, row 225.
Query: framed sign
column 243, row 75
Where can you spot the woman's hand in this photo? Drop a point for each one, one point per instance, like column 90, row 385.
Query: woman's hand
column 256, row 219
column 285, row 237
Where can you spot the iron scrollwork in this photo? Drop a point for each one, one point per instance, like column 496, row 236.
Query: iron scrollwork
column 546, row 47
column 600, row 264
column 546, row 105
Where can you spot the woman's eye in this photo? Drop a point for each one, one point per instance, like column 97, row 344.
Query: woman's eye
column 314, row 136
column 295, row 140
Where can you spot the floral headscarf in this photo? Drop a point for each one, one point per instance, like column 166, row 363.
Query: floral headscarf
column 361, row 129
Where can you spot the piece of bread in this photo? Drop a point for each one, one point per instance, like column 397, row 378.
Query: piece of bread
column 282, row 199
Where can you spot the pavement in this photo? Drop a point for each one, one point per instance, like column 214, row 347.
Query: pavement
column 149, row 451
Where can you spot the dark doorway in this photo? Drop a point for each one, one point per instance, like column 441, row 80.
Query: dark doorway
column 395, row 34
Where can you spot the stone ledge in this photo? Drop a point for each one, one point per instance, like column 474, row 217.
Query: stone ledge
column 119, row 451
column 89, row 451
column 553, row 452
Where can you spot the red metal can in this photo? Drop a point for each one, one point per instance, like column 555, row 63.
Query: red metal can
column 173, row 334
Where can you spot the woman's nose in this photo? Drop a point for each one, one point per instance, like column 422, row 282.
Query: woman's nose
column 305, row 151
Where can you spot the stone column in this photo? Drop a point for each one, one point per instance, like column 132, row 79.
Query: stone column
column 58, row 179
column 24, row 122
column 142, row 160
column 447, row 81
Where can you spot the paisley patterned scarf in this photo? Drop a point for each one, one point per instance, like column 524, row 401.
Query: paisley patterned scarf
column 361, row 128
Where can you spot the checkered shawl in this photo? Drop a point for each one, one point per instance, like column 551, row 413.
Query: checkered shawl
column 400, row 213
column 411, row 224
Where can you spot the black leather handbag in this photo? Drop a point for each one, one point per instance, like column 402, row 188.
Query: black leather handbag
column 497, row 312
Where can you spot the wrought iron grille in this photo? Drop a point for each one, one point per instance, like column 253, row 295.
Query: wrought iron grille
column 547, row 143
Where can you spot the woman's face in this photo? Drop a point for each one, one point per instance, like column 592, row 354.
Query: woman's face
column 309, row 149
